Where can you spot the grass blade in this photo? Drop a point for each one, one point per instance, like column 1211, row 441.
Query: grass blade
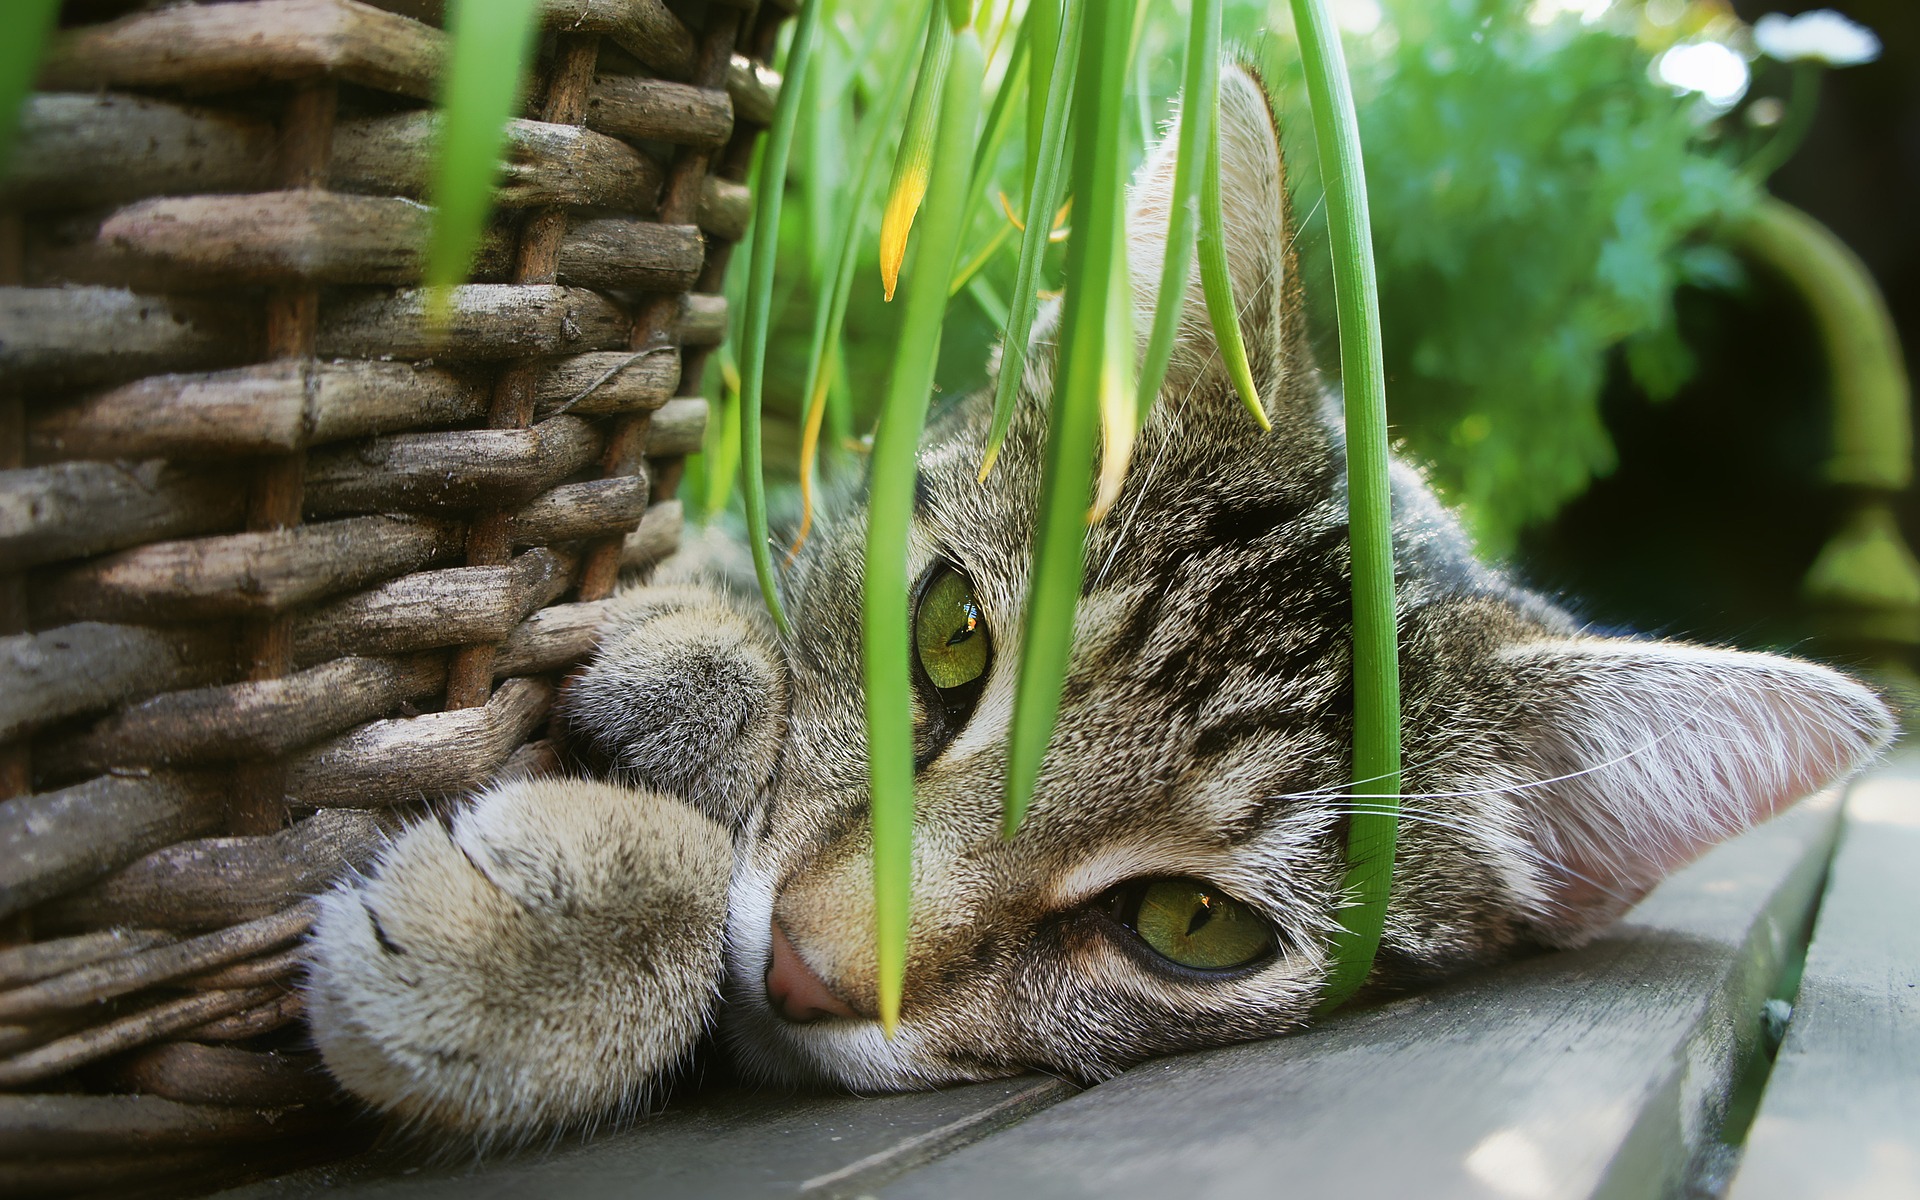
column 492, row 41
column 1215, row 281
column 1201, row 78
column 1376, row 662
column 911, row 167
column 759, row 299
column 1060, row 540
column 1043, row 196
column 823, row 354
column 27, row 27
column 885, row 633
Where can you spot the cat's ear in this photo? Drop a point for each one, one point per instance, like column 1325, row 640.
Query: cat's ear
column 1638, row 756
column 1253, row 202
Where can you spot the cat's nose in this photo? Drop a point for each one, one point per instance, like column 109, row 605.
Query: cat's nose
column 795, row 992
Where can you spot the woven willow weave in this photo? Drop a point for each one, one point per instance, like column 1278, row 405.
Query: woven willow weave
column 280, row 564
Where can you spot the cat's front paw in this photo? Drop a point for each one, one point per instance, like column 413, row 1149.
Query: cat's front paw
column 537, row 965
column 687, row 694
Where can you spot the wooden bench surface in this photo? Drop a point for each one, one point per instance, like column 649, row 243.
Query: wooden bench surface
column 1599, row 1072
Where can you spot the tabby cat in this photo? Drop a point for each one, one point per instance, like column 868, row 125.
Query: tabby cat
column 542, row 959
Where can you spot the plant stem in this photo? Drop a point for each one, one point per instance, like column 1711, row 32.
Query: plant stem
column 1376, row 667
column 886, row 640
column 1060, row 539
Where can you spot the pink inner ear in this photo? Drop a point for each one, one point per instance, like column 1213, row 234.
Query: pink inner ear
column 1658, row 751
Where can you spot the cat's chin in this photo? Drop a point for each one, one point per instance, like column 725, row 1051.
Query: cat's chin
column 852, row 1053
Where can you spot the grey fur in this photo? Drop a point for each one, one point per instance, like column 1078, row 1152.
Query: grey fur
column 1551, row 777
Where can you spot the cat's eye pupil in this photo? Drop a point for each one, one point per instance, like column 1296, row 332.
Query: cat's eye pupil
column 1194, row 924
column 950, row 632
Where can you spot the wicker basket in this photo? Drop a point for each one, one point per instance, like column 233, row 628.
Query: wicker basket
column 278, row 565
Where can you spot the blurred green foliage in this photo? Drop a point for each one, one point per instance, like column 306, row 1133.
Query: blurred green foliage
column 1537, row 197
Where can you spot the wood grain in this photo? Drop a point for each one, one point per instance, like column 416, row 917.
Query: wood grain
column 1841, row 1113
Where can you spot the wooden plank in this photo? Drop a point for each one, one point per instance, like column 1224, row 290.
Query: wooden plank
column 1841, row 1113
column 1596, row 1072
column 727, row 1143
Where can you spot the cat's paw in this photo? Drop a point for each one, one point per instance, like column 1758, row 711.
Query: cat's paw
column 537, row 965
column 687, row 694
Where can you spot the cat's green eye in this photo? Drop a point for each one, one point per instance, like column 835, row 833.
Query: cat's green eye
column 1195, row 925
column 950, row 632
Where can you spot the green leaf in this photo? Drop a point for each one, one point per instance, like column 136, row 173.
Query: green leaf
column 768, row 194
column 491, row 43
column 823, row 355
column 1374, row 826
column 1202, row 79
column 886, row 641
column 1099, row 179
column 1043, row 196
column 23, row 38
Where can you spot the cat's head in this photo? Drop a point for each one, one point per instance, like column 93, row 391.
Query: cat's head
column 1178, row 874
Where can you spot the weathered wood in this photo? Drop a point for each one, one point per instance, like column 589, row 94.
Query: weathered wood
column 102, row 981
column 730, row 1142
column 84, row 335
column 195, row 1074
column 457, row 470
column 301, row 236
column 72, row 509
column 1596, row 1072
column 34, row 961
column 451, row 607
column 643, row 110
column 271, row 408
column 217, row 47
column 622, row 254
column 242, row 573
column 270, row 968
column 607, row 381
column 32, row 1126
column 596, row 508
column 534, row 760
column 124, row 1033
column 85, row 150
column 283, row 1010
column 435, row 754
column 220, row 881
column 703, row 320
column 725, row 207
column 677, row 427
column 552, row 638
column 261, row 718
column 754, row 88
column 1841, row 1111
column 79, row 668
column 485, row 322
column 644, row 28
column 545, row 163
column 657, row 536
column 54, row 841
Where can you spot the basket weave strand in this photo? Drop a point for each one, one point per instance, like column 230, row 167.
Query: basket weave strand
column 281, row 559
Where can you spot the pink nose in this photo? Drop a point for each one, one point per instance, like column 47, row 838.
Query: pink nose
column 795, row 992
